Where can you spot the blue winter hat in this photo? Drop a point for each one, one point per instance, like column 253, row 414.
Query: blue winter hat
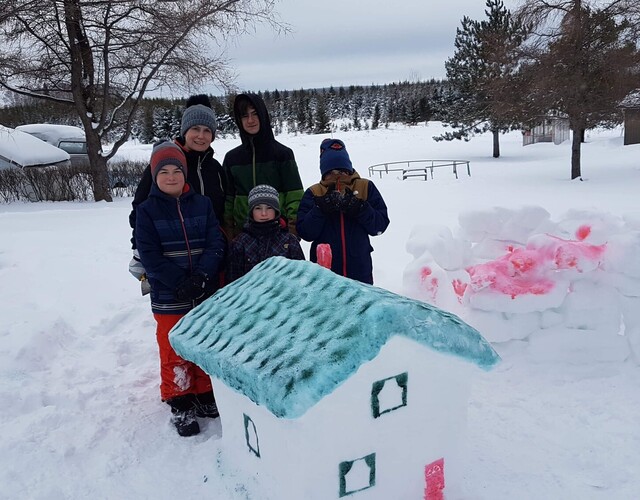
column 334, row 156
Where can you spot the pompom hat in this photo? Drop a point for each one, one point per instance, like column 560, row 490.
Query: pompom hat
column 266, row 194
column 198, row 114
column 334, row 156
column 167, row 153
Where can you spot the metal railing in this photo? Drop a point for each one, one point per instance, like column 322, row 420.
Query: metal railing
column 423, row 171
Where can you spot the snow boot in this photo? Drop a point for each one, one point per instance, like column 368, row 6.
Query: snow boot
column 205, row 405
column 183, row 415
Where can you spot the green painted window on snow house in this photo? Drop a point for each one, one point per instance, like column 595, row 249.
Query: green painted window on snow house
column 389, row 394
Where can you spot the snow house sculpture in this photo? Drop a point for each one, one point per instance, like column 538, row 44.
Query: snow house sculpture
column 329, row 388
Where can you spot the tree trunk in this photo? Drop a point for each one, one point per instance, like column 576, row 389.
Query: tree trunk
column 576, row 136
column 496, row 143
column 99, row 172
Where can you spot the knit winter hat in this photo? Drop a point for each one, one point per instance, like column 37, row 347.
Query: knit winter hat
column 266, row 194
column 334, row 156
column 198, row 114
column 167, row 153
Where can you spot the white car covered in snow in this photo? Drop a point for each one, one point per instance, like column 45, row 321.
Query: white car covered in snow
column 21, row 150
column 66, row 137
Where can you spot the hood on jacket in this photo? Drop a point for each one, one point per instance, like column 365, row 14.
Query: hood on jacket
column 266, row 133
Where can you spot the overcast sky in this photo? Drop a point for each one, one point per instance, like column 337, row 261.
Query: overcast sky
column 349, row 42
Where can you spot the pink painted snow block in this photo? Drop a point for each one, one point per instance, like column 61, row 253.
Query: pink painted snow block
column 323, row 252
column 459, row 287
column 582, row 232
column 530, row 270
column 434, row 479
column 518, row 273
column 429, row 282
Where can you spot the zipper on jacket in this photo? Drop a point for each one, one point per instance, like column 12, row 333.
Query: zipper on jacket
column 199, row 170
column 253, row 162
column 343, row 238
column 186, row 240
column 184, row 232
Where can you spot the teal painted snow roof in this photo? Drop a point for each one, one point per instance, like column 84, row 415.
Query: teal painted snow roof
column 288, row 333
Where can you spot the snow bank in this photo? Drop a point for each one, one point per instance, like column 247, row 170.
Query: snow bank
column 570, row 287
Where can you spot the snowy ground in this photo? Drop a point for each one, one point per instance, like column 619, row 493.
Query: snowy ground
column 79, row 406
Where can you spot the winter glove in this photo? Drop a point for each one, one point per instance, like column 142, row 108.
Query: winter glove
column 351, row 204
column 192, row 288
column 145, row 286
column 135, row 266
column 330, row 202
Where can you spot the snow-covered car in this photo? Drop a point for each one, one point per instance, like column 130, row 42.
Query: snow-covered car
column 66, row 137
column 21, row 150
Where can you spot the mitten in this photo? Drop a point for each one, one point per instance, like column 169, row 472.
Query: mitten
column 192, row 288
column 199, row 285
column 330, row 202
column 351, row 204
column 135, row 266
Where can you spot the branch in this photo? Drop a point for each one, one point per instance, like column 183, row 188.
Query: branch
column 37, row 95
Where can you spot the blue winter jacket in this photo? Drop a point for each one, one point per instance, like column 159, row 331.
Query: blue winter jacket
column 177, row 237
column 347, row 236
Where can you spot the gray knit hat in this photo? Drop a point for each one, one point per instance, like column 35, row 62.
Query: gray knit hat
column 264, row 193
column 198, row 114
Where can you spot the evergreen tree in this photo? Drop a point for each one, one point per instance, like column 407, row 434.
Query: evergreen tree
column 480, row 72
column 356, row 119
column 375, row 121
column 322, row 123
column 163, row 124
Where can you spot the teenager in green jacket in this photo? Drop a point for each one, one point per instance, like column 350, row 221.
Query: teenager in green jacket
column 260, row 159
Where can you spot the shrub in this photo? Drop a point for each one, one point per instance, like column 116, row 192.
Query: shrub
column 66, row 183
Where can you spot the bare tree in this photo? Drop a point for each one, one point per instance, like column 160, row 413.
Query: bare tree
column 101, row 56
column 583, row 60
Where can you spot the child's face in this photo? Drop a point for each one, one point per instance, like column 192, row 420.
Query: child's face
column 335, row 174
column 170, row 180
column 251, row 121
column 263, row 213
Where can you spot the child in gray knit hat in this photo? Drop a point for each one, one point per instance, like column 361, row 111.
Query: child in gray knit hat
column 264, row 235
column 264, row 195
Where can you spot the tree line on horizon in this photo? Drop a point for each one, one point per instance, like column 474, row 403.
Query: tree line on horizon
column 302, row 111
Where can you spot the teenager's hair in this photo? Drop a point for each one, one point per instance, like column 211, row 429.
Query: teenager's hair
column 243, row 105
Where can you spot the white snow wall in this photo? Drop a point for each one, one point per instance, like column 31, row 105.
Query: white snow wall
column 569, row 288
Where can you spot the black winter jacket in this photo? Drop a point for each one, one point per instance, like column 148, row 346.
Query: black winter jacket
column 257, row 242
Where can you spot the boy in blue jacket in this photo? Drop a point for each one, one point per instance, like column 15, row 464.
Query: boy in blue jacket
column 181, row 248
column 342, row 210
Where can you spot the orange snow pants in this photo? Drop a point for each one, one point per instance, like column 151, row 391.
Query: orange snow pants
column 177, row 376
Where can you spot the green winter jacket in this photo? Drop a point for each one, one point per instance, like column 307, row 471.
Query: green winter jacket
column 260, row 159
